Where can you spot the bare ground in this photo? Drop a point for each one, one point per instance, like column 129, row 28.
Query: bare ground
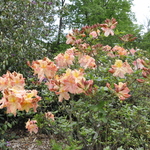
column 31, row 142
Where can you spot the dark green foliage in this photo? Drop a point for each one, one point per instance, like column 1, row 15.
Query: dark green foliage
column 24, row 25
column 145, row 42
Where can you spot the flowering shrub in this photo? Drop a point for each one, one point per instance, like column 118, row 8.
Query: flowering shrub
column 101, row 85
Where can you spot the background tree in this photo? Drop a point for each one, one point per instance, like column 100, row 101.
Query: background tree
column 144, row 43
column 96, row 11
column 83, row 12
column 25, row 26
column 145, row 36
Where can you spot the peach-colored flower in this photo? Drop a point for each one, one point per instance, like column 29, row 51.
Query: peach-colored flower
column 69, row 81
column 128, row 68
column 11, row 101
column 106, row 48
column 63, row 95
column 111, row 54
column 4, row 83
column 108, row 26
column 119, row 69
column 49, row 115
column 71, row 51
column 122, row 90
column 15, row 100
column 70, row 38
column 59, row 60
column 132, row 51
column 87, row 86
column 30, row 100
column 78, row 75
column 87, row 61
column 111, row 23
column 12, row 80
column 94, row 34
column 32, row 126
column 70, row 85
column 140, row 80
column 68, row 58
column 66, row 83
column 44, row 68
column 128, row 38
column 107, row 31
column 77, row 42
column 64, row 60
column 57, row 86
column 146, row 72
column 138, row 64
column 53, row 84
column 115, row 51
column 83, row 47
column 120, row 50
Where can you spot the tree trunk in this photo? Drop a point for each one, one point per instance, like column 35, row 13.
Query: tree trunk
column 60, row 23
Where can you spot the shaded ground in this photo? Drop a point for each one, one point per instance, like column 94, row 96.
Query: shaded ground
column 30, row 142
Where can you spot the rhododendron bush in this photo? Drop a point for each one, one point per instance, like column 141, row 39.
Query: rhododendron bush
column 97, row 88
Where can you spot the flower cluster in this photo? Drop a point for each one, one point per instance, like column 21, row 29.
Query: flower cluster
column 78, row 37
column 138, row 64
column 119, row 69
column 117, row 51
column 15, row 97
column 12, row 80
column 145, row 67
column 87, row 51
column 72, row 81
column 109, row 26
column 31, row 125
column 66, row 59
column 128, row 38
column 44, row 68
column 121, row 90
column 87, row 61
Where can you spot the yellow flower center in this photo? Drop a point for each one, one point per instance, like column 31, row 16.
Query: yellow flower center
column 118, row 63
